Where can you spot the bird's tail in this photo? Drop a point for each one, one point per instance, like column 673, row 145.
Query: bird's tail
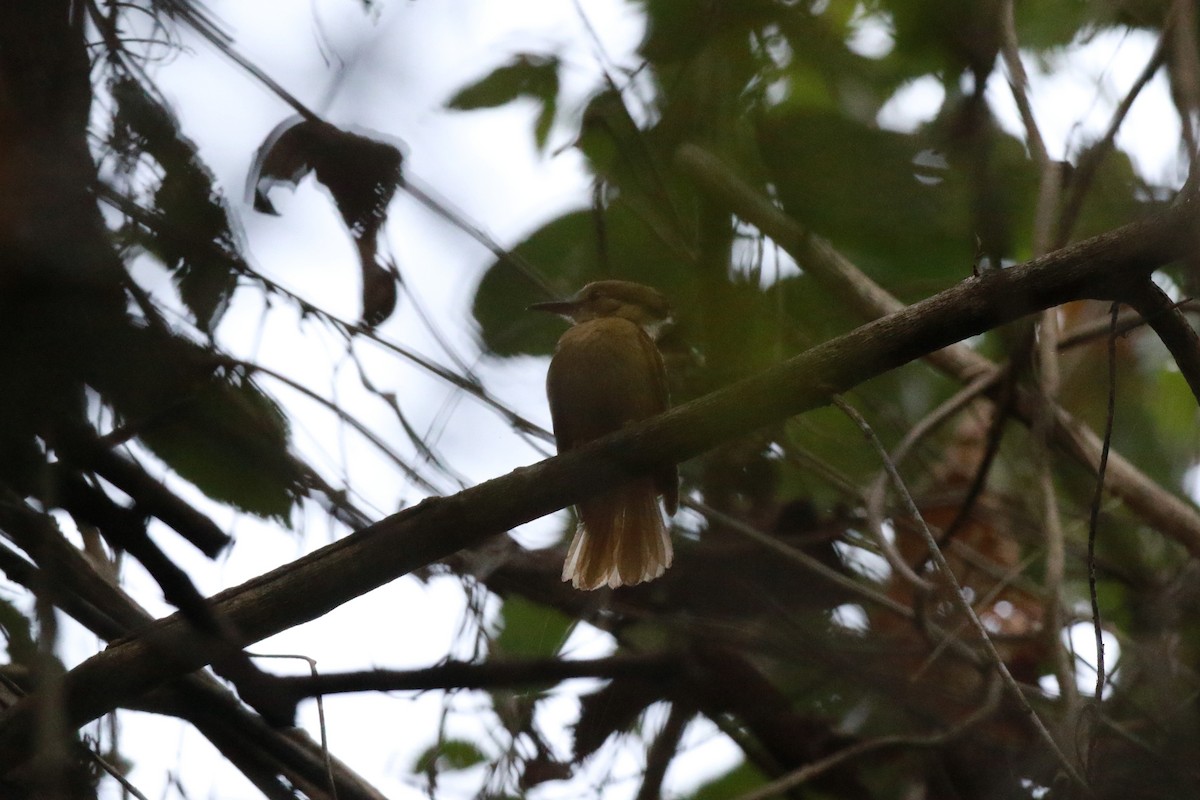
column 621, row 539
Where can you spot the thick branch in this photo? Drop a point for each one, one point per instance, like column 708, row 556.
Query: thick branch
column 151, row 496
column 315, row 584
column 1159, row 508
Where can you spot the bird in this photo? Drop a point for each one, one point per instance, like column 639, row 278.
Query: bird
column 606, row 373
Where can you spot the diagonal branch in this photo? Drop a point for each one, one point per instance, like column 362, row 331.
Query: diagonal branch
column 1159, row 508
column 1172, row 327
column 319, row 582
column 1018, row 82
column 72, row 583
column 84, row 448
column 960, row 598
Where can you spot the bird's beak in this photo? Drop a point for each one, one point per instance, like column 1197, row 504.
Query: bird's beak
column 563, row 307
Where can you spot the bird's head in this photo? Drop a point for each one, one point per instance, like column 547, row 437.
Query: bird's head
column 639, row 304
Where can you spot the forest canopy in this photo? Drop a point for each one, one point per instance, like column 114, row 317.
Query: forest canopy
column 932, row 361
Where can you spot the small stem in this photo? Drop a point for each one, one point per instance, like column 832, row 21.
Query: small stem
column 960, row 599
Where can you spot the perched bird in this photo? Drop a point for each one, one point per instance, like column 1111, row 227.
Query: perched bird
column 606, row 373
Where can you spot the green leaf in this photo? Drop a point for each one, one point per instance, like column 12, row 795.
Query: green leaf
column 738, row 781
column 569, row 252
column 212, row 426
column 448, row 756
column 545, row 121
column 1116, row 195
column 883, row 198
column 529, row 630
column 946, row 35
column 532, row 76
column 1045, row 26
column 563, row 251
column 1174, row 407
column 527, row 76
column 230, row 440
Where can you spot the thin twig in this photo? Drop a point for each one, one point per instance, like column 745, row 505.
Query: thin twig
column 1002, row 409
column 1185, row 68
column 116, row 775
column 488, row 675
column 1050, row 381
column 312, row 669
column 799, row 557
column 382, row 446
column 960, row 599
column 429, row 198
column 1093, row 157
column 1094, row 517
column 1018, row 82
column 209, row 30
column 1128, row 320
column 1005, row 582
column 805, row 459
column 876, row 495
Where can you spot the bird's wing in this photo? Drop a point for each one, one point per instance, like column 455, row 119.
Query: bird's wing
column 666, row 479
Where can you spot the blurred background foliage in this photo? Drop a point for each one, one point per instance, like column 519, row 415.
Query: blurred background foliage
column 785, row 95
column 843, row 689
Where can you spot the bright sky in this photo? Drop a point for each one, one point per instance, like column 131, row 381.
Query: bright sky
column 390, row 73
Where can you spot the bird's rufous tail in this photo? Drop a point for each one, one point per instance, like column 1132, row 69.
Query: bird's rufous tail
column 621, row 539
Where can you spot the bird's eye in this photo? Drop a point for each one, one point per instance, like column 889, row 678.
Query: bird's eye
column 594, row 295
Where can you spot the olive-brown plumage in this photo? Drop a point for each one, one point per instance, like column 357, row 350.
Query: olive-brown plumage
column 606, row 373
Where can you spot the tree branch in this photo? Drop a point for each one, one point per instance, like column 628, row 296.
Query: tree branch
column 85, row 450
column 1172, row 327
column 73, row 585
column 466, row 675
column 316, row 583
column 1160, row 509
column 666, row 744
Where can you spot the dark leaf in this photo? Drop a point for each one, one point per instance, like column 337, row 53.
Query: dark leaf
column 213, row 427
column 945, row 35
column 380, row 287
column 613, row 709
column 530, row 76
column 448, row 756
column 541, row 769
column 545, row 121
column 738, row 781
column 529, row 630
column 882, row 197
column 564, row 251
column 17, row 631
column 525, row 76
column 192, row 233
column 362, row 175
column 570, row 251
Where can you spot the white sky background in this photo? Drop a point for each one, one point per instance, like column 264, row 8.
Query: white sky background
column 399, row 67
